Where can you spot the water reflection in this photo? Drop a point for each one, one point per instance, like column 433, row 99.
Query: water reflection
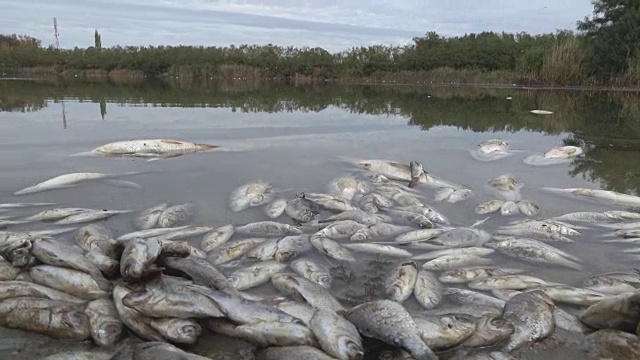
column 606, row 124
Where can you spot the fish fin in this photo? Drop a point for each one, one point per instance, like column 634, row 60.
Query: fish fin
column 122, row 183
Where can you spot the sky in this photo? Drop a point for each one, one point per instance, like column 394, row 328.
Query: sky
column 332, row 24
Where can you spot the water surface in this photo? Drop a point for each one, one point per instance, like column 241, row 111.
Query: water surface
column 297, row 138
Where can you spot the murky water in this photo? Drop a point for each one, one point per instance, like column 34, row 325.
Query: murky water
column 298, row 137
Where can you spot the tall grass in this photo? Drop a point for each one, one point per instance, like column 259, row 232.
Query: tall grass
column 565, row 64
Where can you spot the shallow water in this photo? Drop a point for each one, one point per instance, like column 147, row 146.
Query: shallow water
column 298, row 137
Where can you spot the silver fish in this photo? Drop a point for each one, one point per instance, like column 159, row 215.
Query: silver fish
column 535, row 252
column 56, row 214
column 462, row 237
column 149, row 218
column 298, row 310
column 106, row 327
column 468, row 297
column 449, row 262
column 400, row 284
column 339, row 230
column 265, row 333
column 264, row 251
column 24, row 205
column 476, row 251
column 201, row 272
column 150, row 148
column 444, row 332
column 233, row 250
column 428, row 290
column 532, row 317
column 388, row 321
column 52, row 252
column 476, row 311
column 303, row 290
column 181, row 331
column 337, row 336
column 467, row 274
column 528, row 207
column 611, row 344
column 509, row 208
column 175, row 215
column 55, row 319
column 153, row 350
column 311, row 271
column 138, row 258
column 134, row 321
column 275, row 208
column 613, row 283
column 330, row 202
column 416, row 170
column 268, row 228
column 300, row 209
column 379, row 249
column 621, row 312
column 90, row 215
column 18, row 288
column 255, row 275
column 490, row 330
column 358, row 216
column 573, row 295
column 8, row 271
column 346, row 187
column 411, row 218
column 379, row 230
column 70, row 281
column 143, row 234
column 251, row 194
column 515, row 282
column 331, row 248
column 217, row 237
column 489, row 207
column 293, row 353
column 291, row 247
column 418, row 235
column 68, row 181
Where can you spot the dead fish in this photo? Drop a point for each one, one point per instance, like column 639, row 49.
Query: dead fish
column 346, row 187
column 53, row 252
column 16, row 248
column 358, row 216
column 379, row 249
column 379, row 230
column 89, row 215
column 535, row 252
column 52, row 215
column 293, row 353
column 251, row 194
column 264, row 251
column 400, row 284
column 148, row 218
column 106, row 327
column 621, row 312
column 449, row 262
column 55, row 319
column 266, row 333
column 329, row 202
column 181, row 331
column 528, row 207
column 8, row 271
column 138, row 258
column 419, row 235
column 18, row 288
column 339, row 230
column 153, row 350
column 489, row 207
column 613, row 283
column 572, row 295
column 175, row 215
column 150, row 148
column 68, row 181
column 70, row 281
column 468, row 297
column 515, row 282
column 255, row 275
column 509, row 208
column 244, row 311
column 291, row 247
column 185, row 233
column 298, row 310
column 24, row 205
column 144, row 234
column 467, row 274
column 303, row 290
column 416, row 170
column 427, row 290
column 411, row 218
column 388, row 321
column 331, row 248
column 490, row 330
column 311, row 271
column 133, row 319
column 275, row 208
column 532, row 317
column 337, row 336
column 611, row 344
column 268, row 228
column 462, row 237
column 217, row 237
column 444, row 332
column 373, row 202
column 300, row 209
column 201, row 272
column 473, row 250
column 233, row 250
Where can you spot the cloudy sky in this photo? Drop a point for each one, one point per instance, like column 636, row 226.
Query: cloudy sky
column 332, row 24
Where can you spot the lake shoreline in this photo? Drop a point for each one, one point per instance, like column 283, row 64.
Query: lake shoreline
column 293, row 81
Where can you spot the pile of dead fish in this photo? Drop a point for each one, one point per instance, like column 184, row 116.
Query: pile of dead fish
column 273, row 283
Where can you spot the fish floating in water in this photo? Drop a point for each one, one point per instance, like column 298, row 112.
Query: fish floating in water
column 556, row 155
column 150, row 149
column 318, row 273
column 491, row 150
column 72, row 180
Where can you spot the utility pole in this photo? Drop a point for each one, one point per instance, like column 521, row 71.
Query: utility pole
column 55, row 32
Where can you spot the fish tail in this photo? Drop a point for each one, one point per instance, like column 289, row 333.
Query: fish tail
column 204, row 147
column 84, row 153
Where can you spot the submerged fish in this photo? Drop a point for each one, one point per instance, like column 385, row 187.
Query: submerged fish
column 150, row 148
column 68, row 181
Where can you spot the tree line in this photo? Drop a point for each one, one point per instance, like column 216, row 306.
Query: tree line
column 605, row 49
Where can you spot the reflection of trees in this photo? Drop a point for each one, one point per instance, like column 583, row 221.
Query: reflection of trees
column 606, row 124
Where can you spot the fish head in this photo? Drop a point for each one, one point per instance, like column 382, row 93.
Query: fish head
column 74, row 320
column 285, row 255
column 361, row 235
column 496, row 325
column 109, row 333
column 453, row 276
column 137, row 297
column 457, row 325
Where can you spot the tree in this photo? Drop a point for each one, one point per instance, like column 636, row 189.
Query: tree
column 97, row 40
column 612, row 35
